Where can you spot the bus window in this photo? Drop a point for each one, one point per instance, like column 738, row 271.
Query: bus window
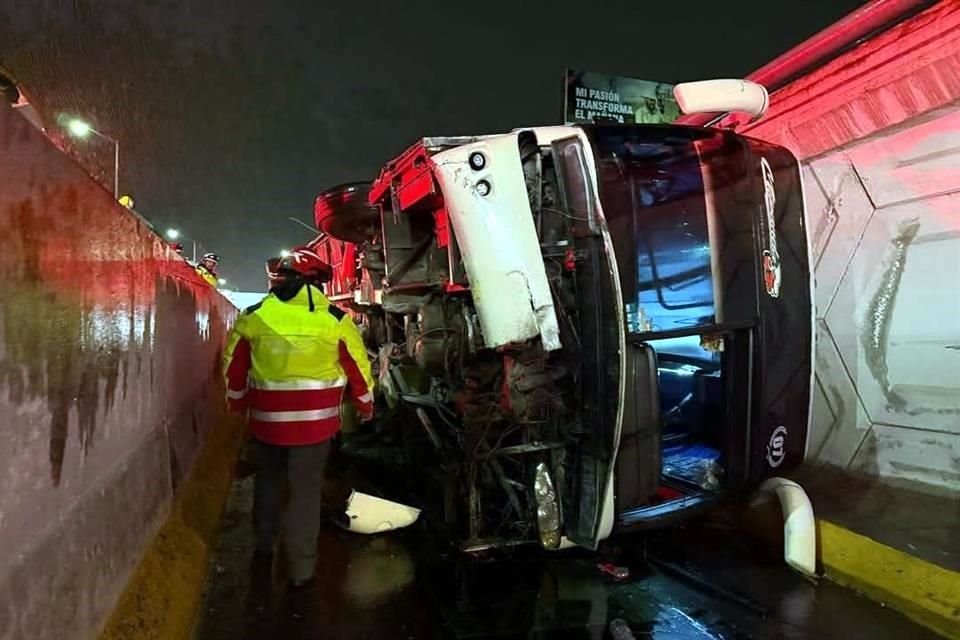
column 652, row 193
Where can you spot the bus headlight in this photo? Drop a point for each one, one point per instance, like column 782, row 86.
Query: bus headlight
column 548, row 510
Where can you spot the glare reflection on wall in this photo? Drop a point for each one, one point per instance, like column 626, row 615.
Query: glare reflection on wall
column 119, row 327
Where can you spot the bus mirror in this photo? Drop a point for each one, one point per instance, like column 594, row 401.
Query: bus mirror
column 722, row 96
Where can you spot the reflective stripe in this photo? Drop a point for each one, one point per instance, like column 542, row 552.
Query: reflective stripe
column 296, row 385
column 236, row 395
column 367, row 397
column 294, row 416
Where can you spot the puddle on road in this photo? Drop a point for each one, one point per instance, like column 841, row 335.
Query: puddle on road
column 530, row 596
column 400, row 586
column 404, row 585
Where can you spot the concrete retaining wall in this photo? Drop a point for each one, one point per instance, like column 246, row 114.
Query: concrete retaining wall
column 109, row 353
column 878, row 131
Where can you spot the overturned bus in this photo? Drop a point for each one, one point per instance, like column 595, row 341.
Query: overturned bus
column 579, row 329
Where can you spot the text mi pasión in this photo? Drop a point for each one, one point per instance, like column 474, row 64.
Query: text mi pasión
column 593, row 103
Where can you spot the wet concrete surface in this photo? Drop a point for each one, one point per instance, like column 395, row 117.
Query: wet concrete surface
column 906, row 516
column 700, row 581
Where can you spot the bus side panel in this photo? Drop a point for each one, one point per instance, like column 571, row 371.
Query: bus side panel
column 784, row 358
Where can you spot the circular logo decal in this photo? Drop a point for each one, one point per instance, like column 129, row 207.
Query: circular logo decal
column 775, row 450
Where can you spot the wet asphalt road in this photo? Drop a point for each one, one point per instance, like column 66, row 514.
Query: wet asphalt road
column 694, row 582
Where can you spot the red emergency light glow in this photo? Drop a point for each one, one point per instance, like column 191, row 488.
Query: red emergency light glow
column 908, row 70
column 824, row 46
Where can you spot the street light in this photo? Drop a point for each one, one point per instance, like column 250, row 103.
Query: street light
column 81, row 129
column 173, row 234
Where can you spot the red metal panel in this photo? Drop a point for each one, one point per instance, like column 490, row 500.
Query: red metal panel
column 409, row 174
column 416, row 188
column 411, row 178
column 441, row 221
column 913, row 68
column 823, row 46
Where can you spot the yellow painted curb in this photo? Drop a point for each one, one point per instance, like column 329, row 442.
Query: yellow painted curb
column 163, row 596
column 925, row 592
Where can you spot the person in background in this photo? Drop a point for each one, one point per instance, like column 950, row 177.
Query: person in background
column 207, row 269
column 288, row 362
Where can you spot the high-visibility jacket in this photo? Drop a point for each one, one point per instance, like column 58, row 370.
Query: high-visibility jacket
column 208, row 277
column 291, row 362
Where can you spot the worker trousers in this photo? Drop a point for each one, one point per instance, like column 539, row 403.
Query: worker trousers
column 296, row 472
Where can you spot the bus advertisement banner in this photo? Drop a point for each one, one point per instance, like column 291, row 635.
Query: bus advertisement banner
column 595, row 97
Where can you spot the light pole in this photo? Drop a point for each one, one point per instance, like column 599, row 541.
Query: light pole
column 81, row 129
column 303, row 224
column 173, row 234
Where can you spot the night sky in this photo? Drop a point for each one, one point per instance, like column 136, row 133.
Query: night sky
column 232, row 116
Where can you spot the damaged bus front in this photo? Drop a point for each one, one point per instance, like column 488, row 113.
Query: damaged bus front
column 578, row 329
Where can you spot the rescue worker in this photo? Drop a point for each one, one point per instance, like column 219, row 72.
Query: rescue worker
column 288, row 361
column 207, row 269
column 247, row 456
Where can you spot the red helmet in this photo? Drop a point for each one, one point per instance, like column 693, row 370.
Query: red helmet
column 306, row 263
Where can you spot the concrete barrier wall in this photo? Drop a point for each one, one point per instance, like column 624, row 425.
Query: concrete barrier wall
column 109, row 357
column 878, row 132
